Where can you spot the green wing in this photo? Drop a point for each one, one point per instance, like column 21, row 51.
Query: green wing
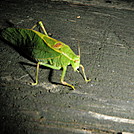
column 31, row 43
column 58, row 46
column 38, row 46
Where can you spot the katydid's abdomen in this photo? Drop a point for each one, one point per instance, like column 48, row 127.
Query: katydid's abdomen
column 30, row 43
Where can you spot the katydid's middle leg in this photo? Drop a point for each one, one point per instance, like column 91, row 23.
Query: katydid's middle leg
column 37, row 70
column 62, row 78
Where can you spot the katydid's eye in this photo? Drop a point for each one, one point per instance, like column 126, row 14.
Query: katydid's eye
column 76, row 61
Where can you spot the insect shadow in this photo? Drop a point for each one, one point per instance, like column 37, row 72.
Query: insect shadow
column 23, row 64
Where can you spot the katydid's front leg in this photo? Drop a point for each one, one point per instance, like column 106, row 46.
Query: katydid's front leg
column 62, row 78
column 85, row 78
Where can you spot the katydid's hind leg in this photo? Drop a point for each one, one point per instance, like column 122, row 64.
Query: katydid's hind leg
column 62, row 78
column 43, row 28
column 34, row 26
column 36, row 76
column 84, row 75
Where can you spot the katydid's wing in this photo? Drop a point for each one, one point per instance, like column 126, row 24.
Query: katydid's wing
column 30, row 42
column 60, row 47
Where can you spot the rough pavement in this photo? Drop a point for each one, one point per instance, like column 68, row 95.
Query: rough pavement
column 105, row 105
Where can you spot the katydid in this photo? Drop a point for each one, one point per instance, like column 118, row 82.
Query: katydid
column 45, row 50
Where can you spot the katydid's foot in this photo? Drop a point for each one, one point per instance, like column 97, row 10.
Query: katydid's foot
column 33, row 84
column 88, row 80
column 65, row 83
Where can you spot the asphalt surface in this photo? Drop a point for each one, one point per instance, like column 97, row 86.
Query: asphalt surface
column 104, row 105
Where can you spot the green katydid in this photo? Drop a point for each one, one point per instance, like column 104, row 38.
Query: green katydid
column 44, row 50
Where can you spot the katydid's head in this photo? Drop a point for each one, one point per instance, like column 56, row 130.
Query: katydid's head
column 76, row 63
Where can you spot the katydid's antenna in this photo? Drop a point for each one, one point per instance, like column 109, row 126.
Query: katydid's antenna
column 79, row 48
